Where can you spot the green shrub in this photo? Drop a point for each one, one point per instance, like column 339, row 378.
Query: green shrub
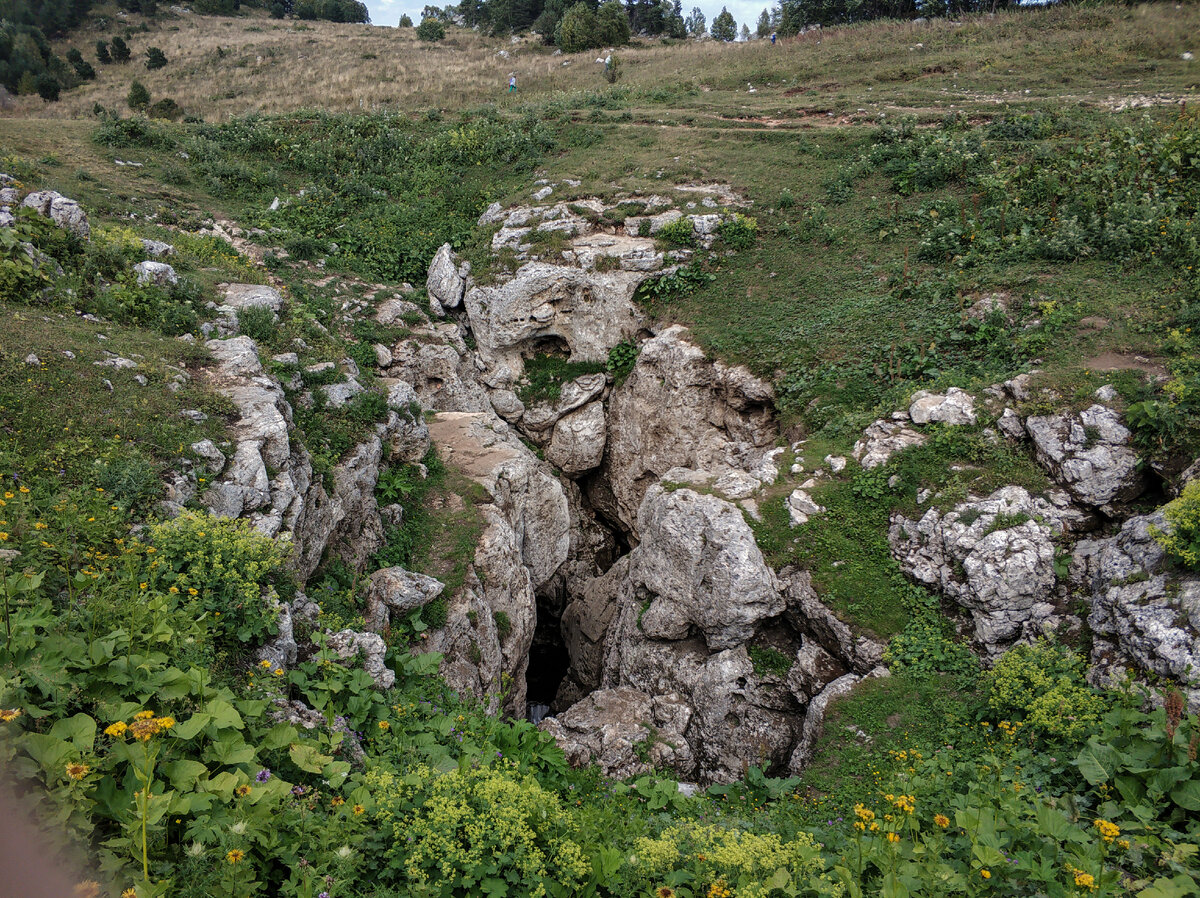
column 578, row 29
column 431, row 30
column 469, row 826
column 138, row 97
column 503, row 624
column 621, row 360
column 1042, row 683
column 155, row 58
column 303, row 248
column 220, row 567
column 1182, row 539
column 680, row 232
column 738, row 231
column 258, row 323
column 165, row 108
column 545, row 375
column 120, row 50
column 769, row 661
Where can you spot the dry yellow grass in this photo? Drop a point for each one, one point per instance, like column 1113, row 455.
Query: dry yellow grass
column 221, row 67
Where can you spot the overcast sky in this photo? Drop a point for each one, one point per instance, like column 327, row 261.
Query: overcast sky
column 388, row 12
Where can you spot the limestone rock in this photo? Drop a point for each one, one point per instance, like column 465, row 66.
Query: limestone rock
column 577, row 444
column 801, row 507
column 677, row 409
column 1089, row 454
column 393, row 590
column 626, row 731
column 573, row 395
column 156, row 248
column 954, row 407
column 64, row 212
column 251, row 296
column 584, row 313
column 700, row 569
column 156, row 274
column 883, row 439
column 350, row 644
column 446, row 281
column 1145, row 613
column 994, row 557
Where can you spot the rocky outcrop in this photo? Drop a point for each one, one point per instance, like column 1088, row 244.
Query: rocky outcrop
column 625, row 731
column 676, row 617
column 155, row 274
column 883, row 439
column 446, row 282
column 953, row 407
column 395, row 591
column 1145, row 614
column 1089, row 454
column 64, row 212
column 525, row 540
column 577, row 443
column 679, row 409
column 699, row 571
column 269, row 479
column 994, row 557
column 556, row 307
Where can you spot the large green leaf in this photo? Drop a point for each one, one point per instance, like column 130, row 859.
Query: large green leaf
column 307, row 758
column 1098, row 763
column 1178, row 886
column 79, row 730
column 1187, row 795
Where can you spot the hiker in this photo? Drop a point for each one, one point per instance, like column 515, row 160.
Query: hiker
column 512, row 82
column 772, row 38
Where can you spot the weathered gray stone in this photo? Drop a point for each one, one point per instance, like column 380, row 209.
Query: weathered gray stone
column 1089, row 454
column 64, row 212
column 955, row 406
column 577, row 444
column 395, row 591
column 157, row 274
column 883, row 439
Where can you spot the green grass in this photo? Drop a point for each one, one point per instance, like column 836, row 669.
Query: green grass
column 59, row 417
column 898, row 713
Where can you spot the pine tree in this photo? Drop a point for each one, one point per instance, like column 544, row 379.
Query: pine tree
column 405, row 21
column 138, row 98
column 155, row 58
column 724, row 28
column 120, row 50
column 102, row 56
column 696, row 23
column 764, row 24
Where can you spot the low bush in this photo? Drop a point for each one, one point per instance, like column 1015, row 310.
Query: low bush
column 1043, row 684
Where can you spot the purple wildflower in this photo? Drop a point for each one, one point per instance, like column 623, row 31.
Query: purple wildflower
column 323, row 895
column 263, row 775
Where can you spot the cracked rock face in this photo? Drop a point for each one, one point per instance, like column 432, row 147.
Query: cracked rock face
column 700, row 569
column 1145, row 614
column 587, row 312
column 678, row 409
column 994, row 557
column 883, row 439
column 446, row 282
column 1089, row 454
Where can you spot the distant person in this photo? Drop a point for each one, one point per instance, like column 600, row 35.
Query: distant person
column 512, row 83
column 772, row 38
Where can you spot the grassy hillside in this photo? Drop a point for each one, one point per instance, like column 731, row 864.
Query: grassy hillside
column 1046, row 159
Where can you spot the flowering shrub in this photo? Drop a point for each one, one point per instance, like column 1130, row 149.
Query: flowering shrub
column 486, row 826
column 1043, row 684
column 221, row 567
column 1182, row 539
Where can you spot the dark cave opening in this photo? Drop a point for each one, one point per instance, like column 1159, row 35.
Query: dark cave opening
column 548, row 663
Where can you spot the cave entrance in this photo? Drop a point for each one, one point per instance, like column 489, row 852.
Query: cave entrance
column 548, row 663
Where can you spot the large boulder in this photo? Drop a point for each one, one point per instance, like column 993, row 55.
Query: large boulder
column 994, row 557
column 625, row 731
column 1145, row 613
column 883, row 439
column 584, row 313
column 446, row 281
column 395, row 591
column 955, row 406
column 700, row 569
column 64, row 212
column 678, row 409
column 1089, row 454
column 577, row 443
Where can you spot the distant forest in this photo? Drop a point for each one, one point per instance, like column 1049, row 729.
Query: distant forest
column 28, row 65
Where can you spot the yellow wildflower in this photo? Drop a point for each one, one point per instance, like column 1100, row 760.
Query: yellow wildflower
column 359, row 810
column 87, row 889
column 985, row 873
column 1108, row 830
column 10, row 714
column 893, row 838
column 941, row 820
column 129, row 893
column 235, row 855
column 117, row 730
column 264, row 664
column 242, row 791
column 384, row 725
column 78, row 771
column 143, row 715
